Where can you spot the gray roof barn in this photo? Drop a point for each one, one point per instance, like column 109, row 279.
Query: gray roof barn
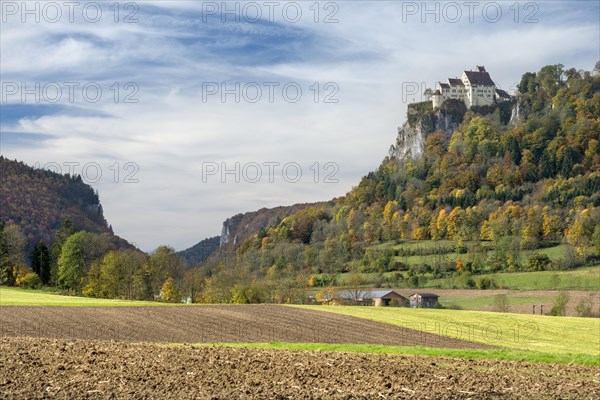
column 423, row 300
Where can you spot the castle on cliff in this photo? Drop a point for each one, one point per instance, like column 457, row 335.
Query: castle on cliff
column 475, row 88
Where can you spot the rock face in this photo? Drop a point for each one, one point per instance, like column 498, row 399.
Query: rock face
column 515, row 113
column 422, row 120
column 230, row 226
column 409, row 142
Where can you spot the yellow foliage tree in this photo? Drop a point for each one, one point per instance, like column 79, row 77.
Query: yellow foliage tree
column 459, row 265
column 169, row 292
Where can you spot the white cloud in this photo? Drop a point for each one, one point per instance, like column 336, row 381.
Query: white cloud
column 170, row 132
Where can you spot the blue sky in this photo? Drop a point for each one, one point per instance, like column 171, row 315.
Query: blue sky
column 176, row 50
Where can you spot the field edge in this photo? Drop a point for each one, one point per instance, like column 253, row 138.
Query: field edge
column 418, row 351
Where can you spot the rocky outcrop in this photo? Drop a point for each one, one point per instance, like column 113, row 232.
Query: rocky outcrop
column 422, row 120
column 229, row 230
column 515, row 113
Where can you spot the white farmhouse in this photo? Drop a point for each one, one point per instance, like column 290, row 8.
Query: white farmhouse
column 475, row 88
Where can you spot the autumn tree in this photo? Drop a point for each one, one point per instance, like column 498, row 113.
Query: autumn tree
column 580, row 232
column 169, row 292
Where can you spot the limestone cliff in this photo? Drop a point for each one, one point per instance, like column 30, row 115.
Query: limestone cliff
column 421, row 121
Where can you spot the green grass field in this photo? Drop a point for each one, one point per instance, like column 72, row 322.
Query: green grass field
column 587, row 278
column 478, row 302
column 545, row 334
column 555, row 253
column 11, row 296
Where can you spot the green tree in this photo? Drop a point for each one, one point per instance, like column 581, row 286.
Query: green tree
column 116, row 276
column 71, row 264
column 538, row 262
column 78, row 253
column 164, row 263
column 31, row 280
column 249, row 293
column 64, row 231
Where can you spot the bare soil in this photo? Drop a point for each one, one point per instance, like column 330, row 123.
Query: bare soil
column 78, row 369
column 212, row 324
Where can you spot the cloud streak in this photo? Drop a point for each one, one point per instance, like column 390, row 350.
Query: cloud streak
column 172, row 131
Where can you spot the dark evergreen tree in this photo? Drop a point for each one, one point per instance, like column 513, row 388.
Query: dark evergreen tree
column 40, row 261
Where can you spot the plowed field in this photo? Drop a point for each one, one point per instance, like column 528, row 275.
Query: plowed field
column 77, row 369
column 211, row 324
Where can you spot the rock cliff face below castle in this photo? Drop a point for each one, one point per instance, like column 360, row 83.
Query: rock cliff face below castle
column 422, row 120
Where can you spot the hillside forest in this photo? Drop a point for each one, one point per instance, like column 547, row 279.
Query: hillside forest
column 495, row 192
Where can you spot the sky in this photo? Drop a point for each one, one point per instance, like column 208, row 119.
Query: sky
column 184, row 113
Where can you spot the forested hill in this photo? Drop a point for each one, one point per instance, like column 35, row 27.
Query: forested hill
column 199, row 252
column 39, row 201
column 524, row 182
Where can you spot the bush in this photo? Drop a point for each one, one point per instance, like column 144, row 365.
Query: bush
column 484, row 283
column 30, row 280
column 501, row 303
column 560, row 304
column 396, row 303
column 538, row 262
column 413, row 281
column 584, row 308
column 462, row 249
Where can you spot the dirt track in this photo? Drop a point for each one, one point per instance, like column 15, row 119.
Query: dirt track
column 211, row 324
column 60, row 369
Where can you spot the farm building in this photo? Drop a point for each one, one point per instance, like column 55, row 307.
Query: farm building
column 423, row 300
column 377, row 298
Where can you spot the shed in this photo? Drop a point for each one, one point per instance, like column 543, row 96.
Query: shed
column 382, row 298
column 423, row 300
column 366, row 297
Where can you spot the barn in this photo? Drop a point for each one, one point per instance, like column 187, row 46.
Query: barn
column 423, row 300
column 383, row 298
column 378, row 298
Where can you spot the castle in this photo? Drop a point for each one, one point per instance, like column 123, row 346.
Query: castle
column 475, row 88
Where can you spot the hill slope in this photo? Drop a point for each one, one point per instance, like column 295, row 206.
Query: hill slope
column 524, row 175
column 40, row 200
column 199, row 252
